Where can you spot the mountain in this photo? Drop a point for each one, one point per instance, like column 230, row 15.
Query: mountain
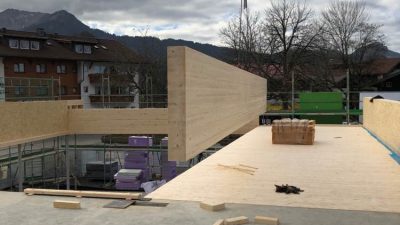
column 18, row 20
column 63, row 22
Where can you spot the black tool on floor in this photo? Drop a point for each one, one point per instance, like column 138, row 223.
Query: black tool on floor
column 376, row 97
column 287, row 189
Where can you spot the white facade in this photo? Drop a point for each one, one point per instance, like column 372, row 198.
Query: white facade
column 2, row 81
column 95, row 89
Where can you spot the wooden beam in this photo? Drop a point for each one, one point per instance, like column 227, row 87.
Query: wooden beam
column 219, row 222
column 92, row 194
column 61, row 204
column 212, row 206
column 237, row 220
column 207, row 100
column 118, row 121
column 266, row 220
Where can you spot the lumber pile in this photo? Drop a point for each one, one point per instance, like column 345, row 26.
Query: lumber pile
column 295, row 132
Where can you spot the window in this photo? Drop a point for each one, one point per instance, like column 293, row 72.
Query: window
column 87, row 49
column 63, row 90
column 13, row 43
column 389, row 84
column 99, row 69
column 79, row 48
column 86, row 89
column 24, row 44
column 19, row 68
column 42, row 91
column 35, row 45
column 61, row 69
column 85, row 68
column 19, row 91
column 41, row 68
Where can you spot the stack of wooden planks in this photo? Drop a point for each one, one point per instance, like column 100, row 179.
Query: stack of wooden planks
column 293, row 131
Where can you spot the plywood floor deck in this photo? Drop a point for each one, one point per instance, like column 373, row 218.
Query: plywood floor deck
column 346, row 168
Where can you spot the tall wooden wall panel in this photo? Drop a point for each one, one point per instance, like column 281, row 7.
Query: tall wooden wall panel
column 208, row 100
column 29, row 121
column 382, row 118
column 248, row 127
column 118, row 121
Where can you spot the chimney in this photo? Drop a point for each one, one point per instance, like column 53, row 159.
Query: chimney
column 40, row 32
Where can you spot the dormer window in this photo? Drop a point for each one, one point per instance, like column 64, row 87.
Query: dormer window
column 35, row 45
column 24, row 44
column 13, row 43
column 87, row 49
column 79, row 48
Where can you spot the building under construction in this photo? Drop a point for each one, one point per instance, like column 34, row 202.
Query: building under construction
column 65, row 164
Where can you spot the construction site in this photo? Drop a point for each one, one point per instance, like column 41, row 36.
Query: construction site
column 207, row 158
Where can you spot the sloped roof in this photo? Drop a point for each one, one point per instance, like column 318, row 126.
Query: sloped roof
column 382, row 66
column 56, row 46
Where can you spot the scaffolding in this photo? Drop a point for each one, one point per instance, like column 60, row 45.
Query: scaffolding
column 59, row 162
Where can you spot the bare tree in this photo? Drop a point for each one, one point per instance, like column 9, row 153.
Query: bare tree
column 291, row 23
column 273, row 44
column 348, row 29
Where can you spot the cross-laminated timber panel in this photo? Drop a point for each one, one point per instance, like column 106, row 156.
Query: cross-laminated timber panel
column 382, row 118
column 207, row 100
column 118, row 121
column 23, row 122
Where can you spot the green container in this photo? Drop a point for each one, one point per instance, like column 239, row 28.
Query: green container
column 322, row 102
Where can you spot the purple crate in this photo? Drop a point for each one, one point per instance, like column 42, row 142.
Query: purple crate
column 123, row 178
column 164, row 142
column 140, row 141
column 136, row 155
column 127, row 185
column 135, row 165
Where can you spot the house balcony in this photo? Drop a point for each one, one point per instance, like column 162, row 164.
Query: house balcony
column 96, row 78
column 111, row 98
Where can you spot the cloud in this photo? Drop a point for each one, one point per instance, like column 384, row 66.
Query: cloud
column 197, row 20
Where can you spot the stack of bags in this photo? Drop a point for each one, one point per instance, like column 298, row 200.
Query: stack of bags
column 136, row 166
column 296, row 132
column 168, row 168
column 98, row 170
column 128, row 179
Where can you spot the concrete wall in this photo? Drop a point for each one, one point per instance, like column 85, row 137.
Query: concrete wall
column 382, row 118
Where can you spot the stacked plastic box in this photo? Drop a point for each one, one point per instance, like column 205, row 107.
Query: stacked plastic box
column 135, row 161
column 138, row 160
column 168, row 168
column 128, row 179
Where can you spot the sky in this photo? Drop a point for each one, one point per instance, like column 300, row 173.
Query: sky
column 196, row 20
